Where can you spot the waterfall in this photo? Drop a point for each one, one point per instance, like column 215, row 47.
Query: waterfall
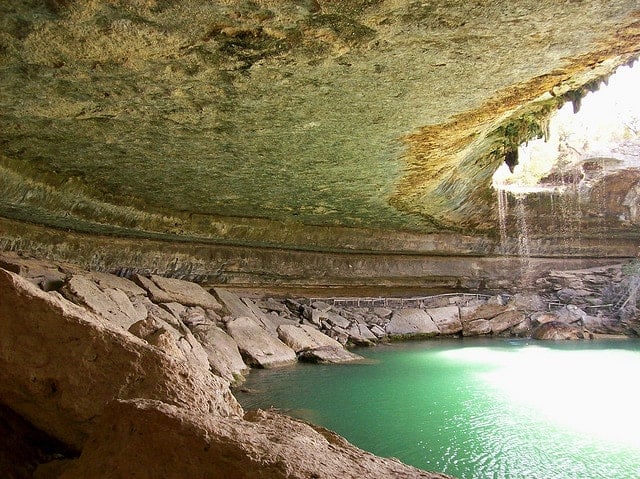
column 503, row 209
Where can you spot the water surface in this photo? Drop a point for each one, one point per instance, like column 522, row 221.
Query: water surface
column 477, row 409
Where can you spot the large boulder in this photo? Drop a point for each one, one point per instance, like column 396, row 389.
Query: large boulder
column 148, row 439
column 447, row 319
column 312, row 345
column 222, row 351
column 61, row 364
column 506, row 320
column 186, row 292
column 411, row 322
column 557, row 330
column 304, row 336
column 257, row 346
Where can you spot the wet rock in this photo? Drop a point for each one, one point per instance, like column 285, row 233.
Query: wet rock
column 186, row 293
column 61, row 364
column 506, row 320
column 411, row 321
column 257, row 346
column 556, row 330
column 447, row 319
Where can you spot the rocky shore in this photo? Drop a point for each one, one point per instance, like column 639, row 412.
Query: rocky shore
column 105, row 376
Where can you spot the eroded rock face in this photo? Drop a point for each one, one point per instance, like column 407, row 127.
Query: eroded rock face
column 61, row 364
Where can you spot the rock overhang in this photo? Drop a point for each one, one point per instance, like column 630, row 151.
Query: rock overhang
column 320, row 126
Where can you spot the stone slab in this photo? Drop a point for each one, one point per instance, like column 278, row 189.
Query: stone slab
column 258, row 347
column 411, row 321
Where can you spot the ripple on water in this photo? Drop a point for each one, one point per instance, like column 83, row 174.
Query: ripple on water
column 478, row 410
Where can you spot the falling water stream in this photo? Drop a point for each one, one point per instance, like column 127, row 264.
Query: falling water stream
column 477, row 409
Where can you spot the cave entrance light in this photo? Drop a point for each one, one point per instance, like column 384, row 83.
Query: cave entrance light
column 605, row 129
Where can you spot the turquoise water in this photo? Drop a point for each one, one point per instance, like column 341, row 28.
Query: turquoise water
column 477, row 409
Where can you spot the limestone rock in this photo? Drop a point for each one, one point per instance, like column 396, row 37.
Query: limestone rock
column 111, row 281
column 156, row 294
column 111, row 304
column 378, row 331
column 361, row 335
column 485, row 311
column 476, row 327
column 411, row 321
column 233, row 303
column 222, row 351
column 177, row 341
column 506, row 320
column 61, row 364
column 46, row 275
column 335, row 319
column 303, row 337
column 328, row 354
column 132, row 435
column 186, row 292
column 556, row 330
column 447, row 319
column 257, row 346
column 384, row 313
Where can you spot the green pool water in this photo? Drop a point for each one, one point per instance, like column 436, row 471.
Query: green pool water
column 477, row 408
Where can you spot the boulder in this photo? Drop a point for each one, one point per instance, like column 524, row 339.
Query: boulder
column 447, row 319
column 222, row 352
column 361, row 335
column 174, row 340
column 557, row 330
column 378, row 331
column 384, row 313
column 258, row 347
column 186, row 292
column 111, row 281
column 410, row 321
column 112, row 304
column 133, row 435
column 335, row 319
column 485, row 311
column 61, row 364
column 246, row 308
column 506, row 320
column 542, row 318
column 304, row 337
column 327, row 355
column 156, row 294
column 477, row 327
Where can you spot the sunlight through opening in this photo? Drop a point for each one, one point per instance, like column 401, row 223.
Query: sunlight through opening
column 606, row 129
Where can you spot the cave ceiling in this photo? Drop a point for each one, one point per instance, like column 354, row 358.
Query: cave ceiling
column 300, row 124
